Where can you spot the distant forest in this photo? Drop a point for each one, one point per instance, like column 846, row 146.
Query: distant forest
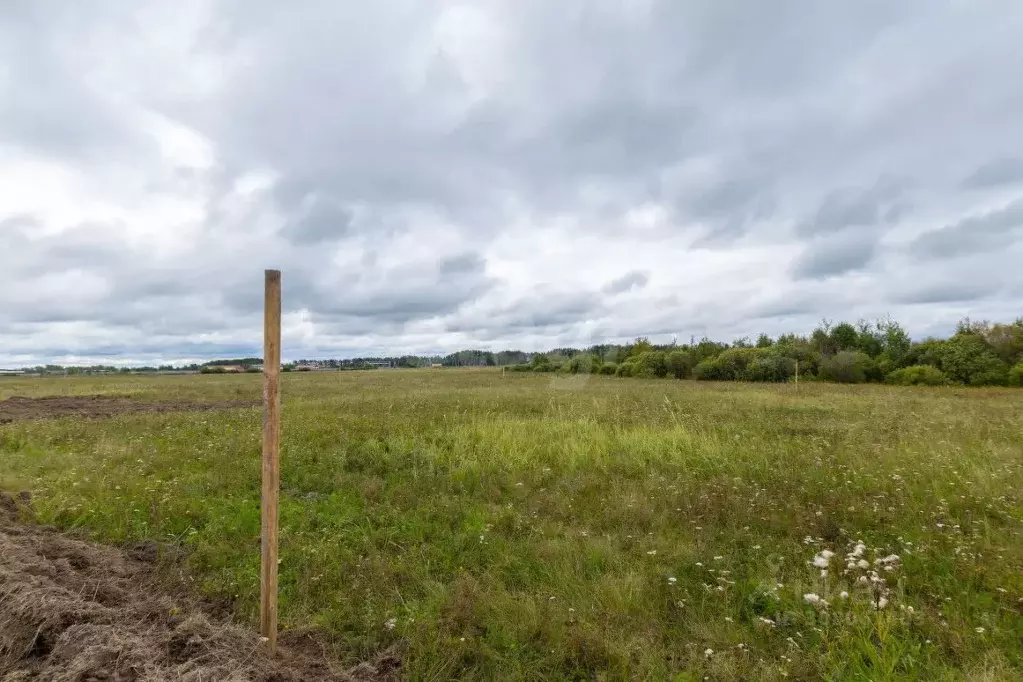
column 977, row 354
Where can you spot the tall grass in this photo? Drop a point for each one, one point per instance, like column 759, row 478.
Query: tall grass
column 529, row 528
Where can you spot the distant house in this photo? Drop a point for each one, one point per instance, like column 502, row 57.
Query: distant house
column 436, row 364
column 11, row 372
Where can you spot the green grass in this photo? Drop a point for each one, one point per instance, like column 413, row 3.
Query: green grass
column 598, row 528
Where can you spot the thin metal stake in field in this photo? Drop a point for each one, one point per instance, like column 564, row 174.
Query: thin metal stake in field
column 271, row 456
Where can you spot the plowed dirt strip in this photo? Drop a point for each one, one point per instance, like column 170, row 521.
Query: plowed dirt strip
column 73, row 610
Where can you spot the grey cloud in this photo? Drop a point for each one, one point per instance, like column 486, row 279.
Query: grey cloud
column 848, row 208
column 832, row 256
column 945, row 292
column 400, row 295
column 635, row 279
column 320, row 222
column 463, row 263
column 543, row 310
column 974, row 234
column 45, row 104
column 1004, row 171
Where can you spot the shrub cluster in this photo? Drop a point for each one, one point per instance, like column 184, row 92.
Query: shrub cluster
column 977, row 354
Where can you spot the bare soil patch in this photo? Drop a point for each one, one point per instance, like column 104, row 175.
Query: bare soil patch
column 96, row 406
column 74, row 610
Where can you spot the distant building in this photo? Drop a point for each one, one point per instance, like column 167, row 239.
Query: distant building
column 11, row 372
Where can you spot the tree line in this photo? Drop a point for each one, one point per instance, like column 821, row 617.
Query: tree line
column 977, row 354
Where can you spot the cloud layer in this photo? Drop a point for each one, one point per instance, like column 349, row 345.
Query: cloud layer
column 437, row 175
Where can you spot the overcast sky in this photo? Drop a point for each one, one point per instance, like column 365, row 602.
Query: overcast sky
column 500, row 174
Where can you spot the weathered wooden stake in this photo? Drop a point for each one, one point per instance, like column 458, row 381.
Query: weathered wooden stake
column 271, row 456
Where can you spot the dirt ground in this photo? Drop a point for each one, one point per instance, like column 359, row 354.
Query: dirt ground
column 92, row 406
column 73, row 610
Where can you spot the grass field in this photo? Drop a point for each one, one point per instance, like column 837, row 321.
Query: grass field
column 590, row 528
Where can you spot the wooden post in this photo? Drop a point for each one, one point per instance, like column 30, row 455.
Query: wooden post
column 271, row 456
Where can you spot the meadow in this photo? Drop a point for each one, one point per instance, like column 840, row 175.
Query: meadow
column 541, row 527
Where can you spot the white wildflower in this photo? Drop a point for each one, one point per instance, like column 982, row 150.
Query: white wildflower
column 881, row 603
column 672, row 580
column 811, row 598
column 863, row 563
column 708, row 653
column 390, row 623
column 979, row 631
column 843, row 595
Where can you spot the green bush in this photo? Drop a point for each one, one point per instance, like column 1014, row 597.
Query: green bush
column 680, row 364
column 769, row 367
column 709, row 370
column 847, row 367
column 609, row 368
column 583, row 363
column 520, row 368
column 626, row 369
column 1015, row 375
column 965, row 358
column 541, row 363
column 651, row 364
column 917, row 375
